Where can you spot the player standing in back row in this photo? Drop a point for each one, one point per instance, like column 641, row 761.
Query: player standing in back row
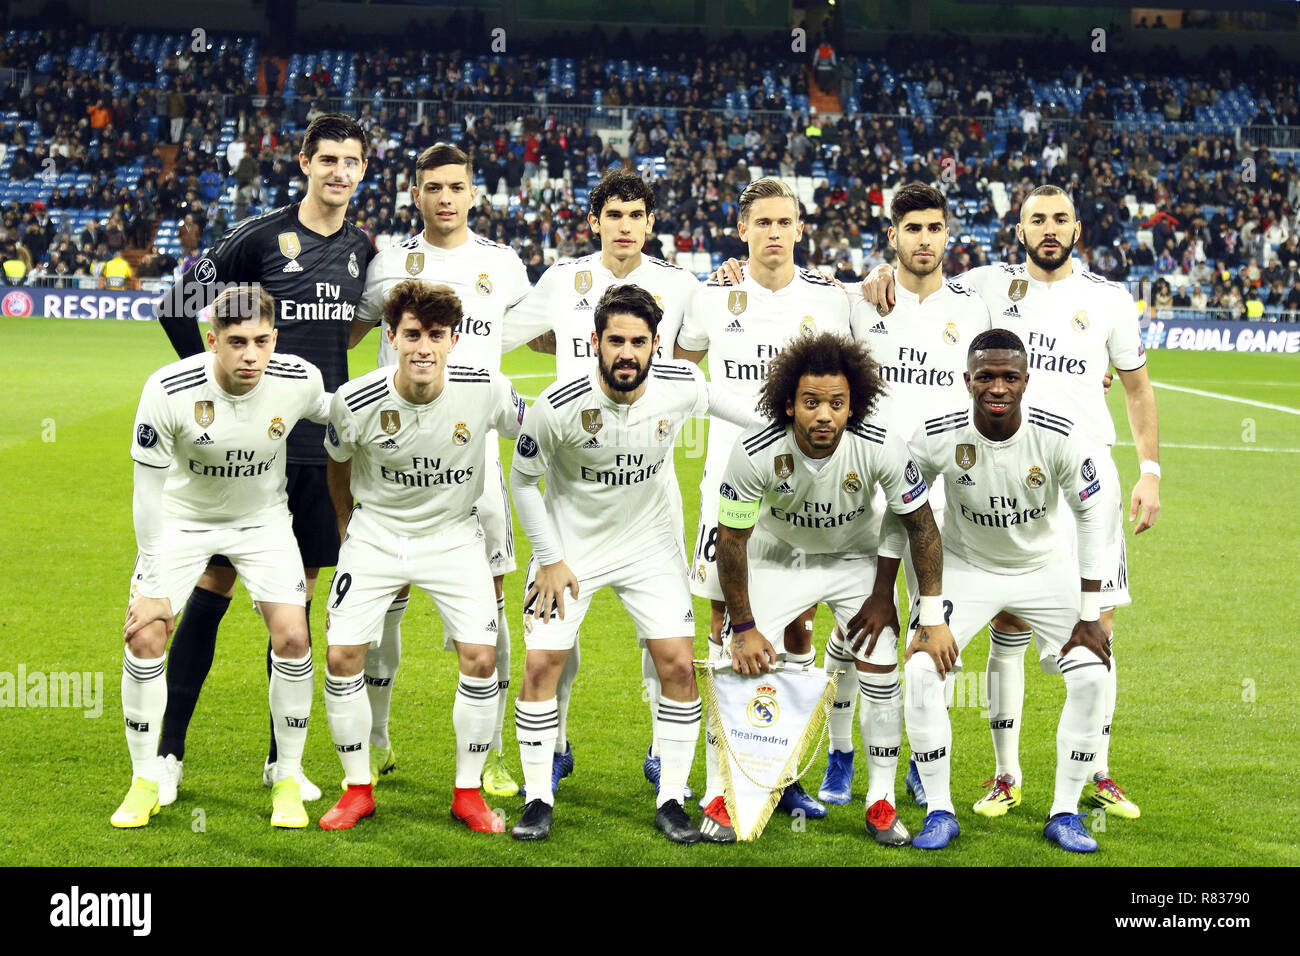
column 313, row 263
column 490, row 281
column 559, row 311
column 741, row 328
column 1074, row 325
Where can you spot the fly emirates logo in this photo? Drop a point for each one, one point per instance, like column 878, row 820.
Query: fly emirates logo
column 1043, row 356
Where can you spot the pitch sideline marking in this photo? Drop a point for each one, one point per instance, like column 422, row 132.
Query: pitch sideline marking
column 1284, row 451
column 1228, row 398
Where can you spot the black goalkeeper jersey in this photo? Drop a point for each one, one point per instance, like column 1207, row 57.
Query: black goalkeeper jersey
column 315, row 280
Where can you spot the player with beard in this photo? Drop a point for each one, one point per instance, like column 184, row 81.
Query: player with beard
column 600, row 441
column 1074, row 325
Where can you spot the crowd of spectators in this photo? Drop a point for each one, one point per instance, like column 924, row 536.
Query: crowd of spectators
column 1216, row 225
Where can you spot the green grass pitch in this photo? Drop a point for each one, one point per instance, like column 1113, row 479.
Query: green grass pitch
column 1204, row 734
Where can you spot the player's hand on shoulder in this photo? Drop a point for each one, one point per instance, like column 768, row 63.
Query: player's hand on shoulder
column 878, row 288
column 143, row 611
column 877, row 613
column 729, row 271
column 1144, row 506
column 1092, row 635
column 937, row 641
column 752, row 653
column 549, row 586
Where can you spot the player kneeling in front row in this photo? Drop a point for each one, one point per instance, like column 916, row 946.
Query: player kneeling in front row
column 1002, row 471
column 601, row 441
column 209, row 456
column 796, row 528
column 408, row 442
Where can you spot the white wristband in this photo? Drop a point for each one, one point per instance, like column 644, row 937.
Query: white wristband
column 1089, row 605
column 931, row 606
column 1149, row 467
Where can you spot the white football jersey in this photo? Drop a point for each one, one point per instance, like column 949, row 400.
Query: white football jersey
column 1000, row 497
column 921, row 348
column 225, row 453
column 487, row 277
column 564, row 302
column 418, row 469
column 1073, row 330
column 744, row 326
column 598, row 458
column 821, row 505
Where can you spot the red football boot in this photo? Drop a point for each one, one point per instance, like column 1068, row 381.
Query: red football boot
column 357, row 802
column 468, row 807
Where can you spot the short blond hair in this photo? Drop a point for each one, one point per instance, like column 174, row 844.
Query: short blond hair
column 769, row 187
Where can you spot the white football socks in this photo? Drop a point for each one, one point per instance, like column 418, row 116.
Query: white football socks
column 473, row 711
column 929, row 731
column 678, row 725
column 536, row 726
column 348, row 712
column 144, row 700
column 1078, row 735
column 882, row 731
column 1006, row 679
column 1102, row 765
column 712, row 771
column 838, row 657
column 650, row 679
column 503, row 671
column 563, row 693
column 290, row 694
column 381, row 670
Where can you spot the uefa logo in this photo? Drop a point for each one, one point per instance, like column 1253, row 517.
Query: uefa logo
column 16, row 303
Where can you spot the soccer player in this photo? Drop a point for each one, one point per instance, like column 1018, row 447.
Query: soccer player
column 1004, row 473
column 798, row 493
column 211, row 437
column 489, row 279
column 313, row 262
column 600, row 441
column 408, row 442
column 559, row 312
column 741, row 328
column 1074, row 325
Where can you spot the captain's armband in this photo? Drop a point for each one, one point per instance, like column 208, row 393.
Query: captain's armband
column 737, row 514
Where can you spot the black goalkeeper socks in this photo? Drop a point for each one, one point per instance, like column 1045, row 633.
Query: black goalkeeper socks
column 189, row 660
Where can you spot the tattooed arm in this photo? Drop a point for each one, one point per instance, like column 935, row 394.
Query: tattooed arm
column 932, row 636
column 751, row 652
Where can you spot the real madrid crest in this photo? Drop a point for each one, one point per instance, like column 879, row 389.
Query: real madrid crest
column 807, row 327
column 1035, row 478
column 354, row 270
column 591, row 421
column 390, row 421
column 582, row 282
column 950, row 333
column 701, row 573
column 737, row 300
column 289, row 245
column 661, row 432
column 460, row 435
column 763, row 710
column 965, row 457
column 277, row 428
column 1079, row 321
column 783, row 465
column 1018, row 289
column 414, row 263
column 204, row 413
column 484, row 285
column 852, row 483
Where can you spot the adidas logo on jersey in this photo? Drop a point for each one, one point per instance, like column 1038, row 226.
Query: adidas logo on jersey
column 388, row 444
column 292, row 266
column 592, row 443
column 878, row 327
column 583, row 303
column 965, row 480
column 735, row 326
column 203, row 439
column 784, row 488
column 1013, row 312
